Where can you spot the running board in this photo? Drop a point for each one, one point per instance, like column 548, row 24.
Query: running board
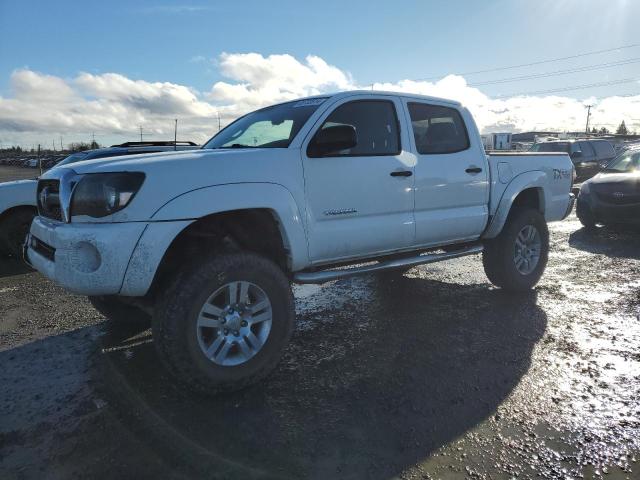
column 323, row 276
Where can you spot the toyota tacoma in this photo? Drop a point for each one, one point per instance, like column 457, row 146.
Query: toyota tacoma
column 206, row 243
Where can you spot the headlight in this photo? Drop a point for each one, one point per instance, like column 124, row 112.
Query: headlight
column 584, row 189
column 101, row 194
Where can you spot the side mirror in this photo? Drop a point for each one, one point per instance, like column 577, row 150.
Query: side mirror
column 333, row 139
column 576, row 155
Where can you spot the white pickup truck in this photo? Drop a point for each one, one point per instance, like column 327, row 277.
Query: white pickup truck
column 207, row 242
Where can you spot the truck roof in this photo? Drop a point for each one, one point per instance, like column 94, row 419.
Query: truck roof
column 416, row 96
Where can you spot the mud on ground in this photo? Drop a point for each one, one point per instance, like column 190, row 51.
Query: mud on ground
column 431, row 374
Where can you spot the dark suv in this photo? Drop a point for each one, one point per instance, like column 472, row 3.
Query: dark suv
column 587, row 155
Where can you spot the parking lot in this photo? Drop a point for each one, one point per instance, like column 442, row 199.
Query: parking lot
column 431, row 374
column 9, row 173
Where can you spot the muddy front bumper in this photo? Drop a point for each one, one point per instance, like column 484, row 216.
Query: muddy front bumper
column 100, row 258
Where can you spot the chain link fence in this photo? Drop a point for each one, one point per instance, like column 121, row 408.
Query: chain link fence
column 23, row 166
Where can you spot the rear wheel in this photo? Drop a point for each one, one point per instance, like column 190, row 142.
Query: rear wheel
column 516, row 259
column 14, row 227
column 224, row 323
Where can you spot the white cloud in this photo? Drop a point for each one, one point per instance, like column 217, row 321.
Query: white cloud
column 259, row 81
column 43, row 106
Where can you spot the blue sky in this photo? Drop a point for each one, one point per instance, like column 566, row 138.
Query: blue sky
column 181, row 42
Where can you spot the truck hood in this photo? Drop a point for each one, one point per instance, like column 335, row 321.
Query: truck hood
column 615, row 179
column 171, row 174
column 140, row 163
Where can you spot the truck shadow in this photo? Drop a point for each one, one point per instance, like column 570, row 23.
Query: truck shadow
column 11, row 266
column 617, row 241
column 378, row 376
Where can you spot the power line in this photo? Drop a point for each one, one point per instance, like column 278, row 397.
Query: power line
column 569, row 57
column 575, row 87
column 586, row 68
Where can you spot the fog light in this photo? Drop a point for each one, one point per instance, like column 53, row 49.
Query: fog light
column 85, row 257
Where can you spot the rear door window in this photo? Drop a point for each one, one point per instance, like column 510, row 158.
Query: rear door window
column 437, row 129
column 587, row 150
column 603, row 149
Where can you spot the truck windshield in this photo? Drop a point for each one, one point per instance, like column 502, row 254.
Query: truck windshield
column 625, row 162
column 271, row 127
column 550, row 147
column 74, row 157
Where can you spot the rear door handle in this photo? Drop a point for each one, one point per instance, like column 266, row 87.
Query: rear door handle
column 401, row 173
column 473, row 170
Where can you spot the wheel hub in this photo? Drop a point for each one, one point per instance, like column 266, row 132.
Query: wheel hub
column 527, row 249
column 234, row 323
column 232, row 320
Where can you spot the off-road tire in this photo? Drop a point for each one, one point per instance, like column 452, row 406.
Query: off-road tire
column 117, row 311
column 586, row 217
column 498, row 253
column 13, row 230
column 175, row 319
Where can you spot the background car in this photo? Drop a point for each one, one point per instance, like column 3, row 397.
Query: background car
column 18, row 198
column 612, row 196
column 588, row 155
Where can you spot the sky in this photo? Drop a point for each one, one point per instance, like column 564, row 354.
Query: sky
column 71, row 70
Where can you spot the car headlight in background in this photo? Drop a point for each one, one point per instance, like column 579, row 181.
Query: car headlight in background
column 102, row 194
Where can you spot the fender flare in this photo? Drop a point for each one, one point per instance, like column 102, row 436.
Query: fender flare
column 535, row 179
column 239, row 196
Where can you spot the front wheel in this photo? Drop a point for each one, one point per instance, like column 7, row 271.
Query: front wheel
column 13, row 230
column 586, row 217
column 225, row 322
column 517, row 257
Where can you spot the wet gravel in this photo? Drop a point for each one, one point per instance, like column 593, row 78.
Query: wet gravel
column 430, row 374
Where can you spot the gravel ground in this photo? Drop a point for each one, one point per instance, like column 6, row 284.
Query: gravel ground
column 434, row 374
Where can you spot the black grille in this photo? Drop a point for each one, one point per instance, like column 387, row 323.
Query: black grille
column 625, row 192
column 620, row 198
column 49, row 193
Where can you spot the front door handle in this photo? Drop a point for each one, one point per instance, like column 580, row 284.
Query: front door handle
column 401, row 173
column 473, row 169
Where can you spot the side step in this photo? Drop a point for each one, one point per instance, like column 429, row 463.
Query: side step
column 323, row 276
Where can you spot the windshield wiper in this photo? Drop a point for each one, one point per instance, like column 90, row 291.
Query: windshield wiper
column 238, row 145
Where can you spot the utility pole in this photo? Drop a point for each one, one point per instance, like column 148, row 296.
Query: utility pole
column 175, row 136
column 218, row 120
column 39, row 160
column 588, row 115
column 140, row 133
